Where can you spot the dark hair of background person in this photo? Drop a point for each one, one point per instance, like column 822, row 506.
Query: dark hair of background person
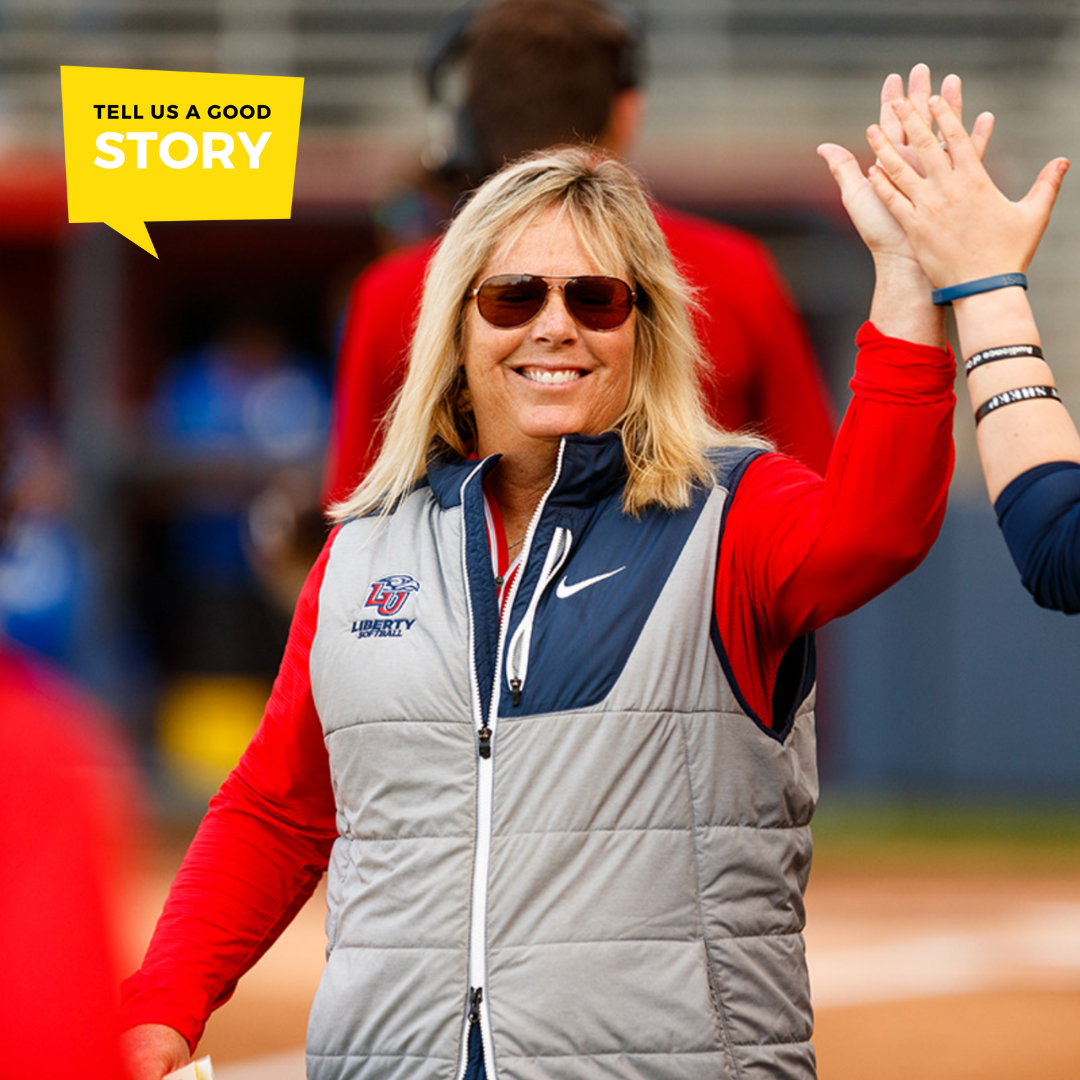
column 535, row 73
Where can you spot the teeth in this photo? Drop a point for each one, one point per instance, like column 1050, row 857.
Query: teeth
column 543, row 375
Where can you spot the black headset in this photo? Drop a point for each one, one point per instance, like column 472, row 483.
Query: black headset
column 465, row 156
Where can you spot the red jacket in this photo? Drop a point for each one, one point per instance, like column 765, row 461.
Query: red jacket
column 765, row 375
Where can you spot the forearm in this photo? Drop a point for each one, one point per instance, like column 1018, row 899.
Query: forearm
column 816, row 549
column 1018, row 437
column 901, row 306
column 257, row 856
column 244, row 878
column 878, row 514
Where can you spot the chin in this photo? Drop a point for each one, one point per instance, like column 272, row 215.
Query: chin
column 554, row 423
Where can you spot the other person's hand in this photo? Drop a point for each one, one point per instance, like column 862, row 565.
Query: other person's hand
column 958, row 224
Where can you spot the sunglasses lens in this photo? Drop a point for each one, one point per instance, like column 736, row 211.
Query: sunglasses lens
column 599, row 303
column 511, row 299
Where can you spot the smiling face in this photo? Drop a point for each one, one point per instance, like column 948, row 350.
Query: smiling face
column 552, row 377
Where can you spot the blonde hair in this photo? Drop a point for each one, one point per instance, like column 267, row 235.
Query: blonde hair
column 666, row 432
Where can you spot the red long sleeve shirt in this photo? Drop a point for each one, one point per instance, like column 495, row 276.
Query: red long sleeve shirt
column 762, row 373
column 798, row 550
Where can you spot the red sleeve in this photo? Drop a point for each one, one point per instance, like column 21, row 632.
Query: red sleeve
column 799, row 550
column 256, row 858
column 763, row 373
column 379, row 321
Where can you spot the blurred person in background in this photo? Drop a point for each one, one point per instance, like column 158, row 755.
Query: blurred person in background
column 240, row 416
column 239, row 423
column 69, row 821
column 546, row 710
column 540, row 73
column 47, row 587
column 975, row 245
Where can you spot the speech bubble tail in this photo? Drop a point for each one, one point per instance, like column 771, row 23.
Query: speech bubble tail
column 136, row 232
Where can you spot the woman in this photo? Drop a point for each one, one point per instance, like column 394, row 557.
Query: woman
column 546, row 710
column 1028, row 444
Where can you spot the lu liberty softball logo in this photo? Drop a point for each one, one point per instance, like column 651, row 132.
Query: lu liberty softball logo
column 389, row 593
column 386, row 596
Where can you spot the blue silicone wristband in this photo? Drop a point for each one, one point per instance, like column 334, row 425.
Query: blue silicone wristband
column 941, row 297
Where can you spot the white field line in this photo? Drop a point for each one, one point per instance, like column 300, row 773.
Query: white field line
column 1041, row 936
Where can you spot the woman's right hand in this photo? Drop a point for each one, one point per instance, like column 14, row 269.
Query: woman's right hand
column 151, row 1051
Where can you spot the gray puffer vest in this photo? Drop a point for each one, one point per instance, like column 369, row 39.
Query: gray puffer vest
column 564, row 826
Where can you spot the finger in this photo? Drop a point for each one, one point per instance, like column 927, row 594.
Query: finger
column 960, row 146
column 892, row 89
column 902, row 175
column 981, row 131
column 919, row 90
column 920, row 136
column 1044, row 192
column 952, row 90
column 843, row 166
column 895, row 200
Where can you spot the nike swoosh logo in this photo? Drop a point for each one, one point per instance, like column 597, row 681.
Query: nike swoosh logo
column 562, row 590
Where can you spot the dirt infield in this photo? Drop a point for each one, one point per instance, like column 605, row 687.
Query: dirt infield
column 946, row 975
column 960, row 970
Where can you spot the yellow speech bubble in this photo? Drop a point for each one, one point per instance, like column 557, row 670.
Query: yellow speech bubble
column 145, row 146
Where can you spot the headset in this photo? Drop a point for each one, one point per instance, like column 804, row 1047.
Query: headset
column 460, row 153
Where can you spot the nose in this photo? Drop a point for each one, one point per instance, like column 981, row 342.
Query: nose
column 555, row 324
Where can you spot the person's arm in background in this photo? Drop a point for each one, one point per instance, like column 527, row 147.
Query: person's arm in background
column 963, row 229
column 790, row 392
column 379, row 318
column 762, row 372
column 72, row 826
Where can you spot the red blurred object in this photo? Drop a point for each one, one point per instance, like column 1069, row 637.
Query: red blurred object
column 33, row 197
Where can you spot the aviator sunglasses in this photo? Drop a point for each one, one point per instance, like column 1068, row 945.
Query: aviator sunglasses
column 512, row 300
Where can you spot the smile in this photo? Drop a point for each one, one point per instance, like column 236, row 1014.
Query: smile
column 545, row 375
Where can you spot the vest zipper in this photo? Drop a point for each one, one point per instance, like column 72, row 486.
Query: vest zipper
column 485, row 736
column 517, row 656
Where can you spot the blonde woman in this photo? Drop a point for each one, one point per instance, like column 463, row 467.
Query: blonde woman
column 546, row 710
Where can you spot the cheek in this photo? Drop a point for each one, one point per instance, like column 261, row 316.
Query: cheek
column 622, row 361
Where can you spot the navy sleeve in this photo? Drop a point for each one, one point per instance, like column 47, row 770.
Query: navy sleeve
column 1039, row 515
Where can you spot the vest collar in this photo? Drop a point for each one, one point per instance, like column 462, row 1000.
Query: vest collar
column 593, row 467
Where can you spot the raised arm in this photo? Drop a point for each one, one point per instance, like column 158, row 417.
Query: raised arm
column 963, row 230
column 975, row 244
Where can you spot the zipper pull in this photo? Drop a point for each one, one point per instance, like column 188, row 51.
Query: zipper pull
column 515, row 691
column 484, row 748
column 474, row 1005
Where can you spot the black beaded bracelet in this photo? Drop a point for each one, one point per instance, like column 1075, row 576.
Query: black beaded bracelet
column 1002, row 352
column 1013, row 397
